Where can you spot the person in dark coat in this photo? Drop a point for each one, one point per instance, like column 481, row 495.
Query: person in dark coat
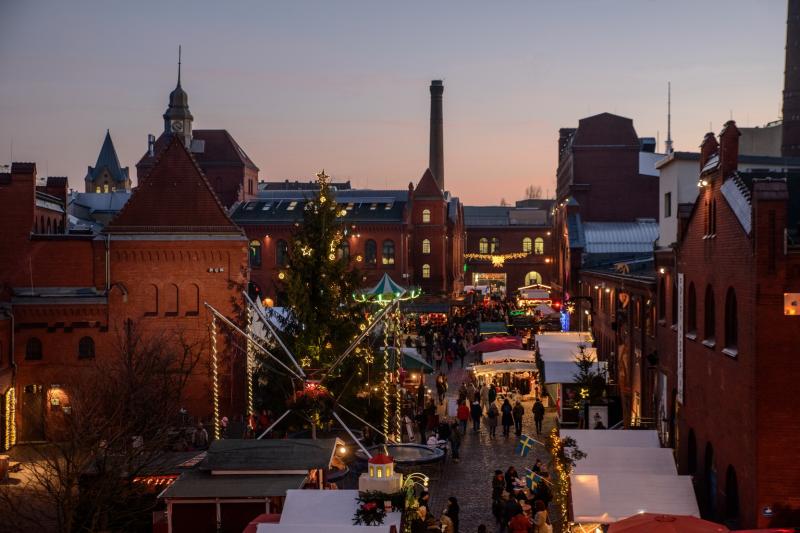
column 518, row 411
column 507, row 418
column 476, row 412
column 510, row 477
column 492, row 393
column 538, row 415
column 452, row 511
column 511, row 509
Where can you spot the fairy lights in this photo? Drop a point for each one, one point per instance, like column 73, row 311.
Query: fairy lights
column 250, row 362
column 11, row 427
column 215, row 376
column 497, row 260
column 386, row 410
column 398, row 416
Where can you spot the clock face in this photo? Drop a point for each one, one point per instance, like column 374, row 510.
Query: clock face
column 177, row 125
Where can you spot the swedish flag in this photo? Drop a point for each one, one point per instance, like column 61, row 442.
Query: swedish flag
column 524, row 445
column 531, row 478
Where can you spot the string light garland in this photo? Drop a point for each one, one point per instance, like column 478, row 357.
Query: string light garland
column 250, row 363
column 215, row 376
column 11, row 427
column 386, row 377
column 398, row 415
column 497, row 260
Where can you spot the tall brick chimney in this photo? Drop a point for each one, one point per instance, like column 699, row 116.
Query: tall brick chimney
column 790, row 144
column 436, row 161
column 729, row 149
column 708, row 148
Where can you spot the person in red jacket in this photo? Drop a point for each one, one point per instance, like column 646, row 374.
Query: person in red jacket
column 463, row 416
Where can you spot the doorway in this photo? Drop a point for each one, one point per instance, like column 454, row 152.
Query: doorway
column 32, row 413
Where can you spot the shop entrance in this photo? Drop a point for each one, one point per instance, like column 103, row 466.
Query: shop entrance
column 32, row 413
column 495, row 281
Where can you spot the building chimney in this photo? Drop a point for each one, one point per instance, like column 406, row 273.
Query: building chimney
column 729, row 149
column 708, row 148
column 790, row 143
column 151, row 145
column 436, row 162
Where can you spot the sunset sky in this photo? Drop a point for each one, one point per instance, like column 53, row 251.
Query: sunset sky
column 344, row 84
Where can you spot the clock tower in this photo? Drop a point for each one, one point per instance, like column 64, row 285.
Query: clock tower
column 178, row 118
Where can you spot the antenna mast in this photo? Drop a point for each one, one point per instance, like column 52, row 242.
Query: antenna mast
column 668, row 142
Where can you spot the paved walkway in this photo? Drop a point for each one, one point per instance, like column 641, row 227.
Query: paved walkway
column 471, row 479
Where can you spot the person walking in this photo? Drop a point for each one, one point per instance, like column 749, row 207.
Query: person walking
column 476, row 413
column 491, row 419
column 538, row 415
column 462, row 414
column 507, row 418
column 437, row 356
column 440, row 388
column 484, row 392
column 492, row 393
column 455, row 442
column 450, row 358
column 518, row 411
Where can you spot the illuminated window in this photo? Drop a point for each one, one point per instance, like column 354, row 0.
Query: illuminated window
column 292, row 206
column 388, row 252
column 343, row 252
column 538, row 246
column 380, row 472
column 483, row 245
column 97, row 189
column 426, row 216
column 373, row 207
column 533, row 278
column 255, row 253
column 426, row 271
column 426, row 246
column 105, row 187
column 527, row 244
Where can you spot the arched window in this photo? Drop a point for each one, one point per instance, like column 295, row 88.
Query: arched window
column 41, row 224
column 483, row 245
column 731, row 320
column 48, row 226
column 710, row 471
column 494, row 245
column 538, row 246
column 86, row 348
column 674, row 302
column 426, row 216
column 731, row 498
column 662, row 299
column 255, row 254
column 171, row 300
column 691, row 311
column 533, row 278
column 691, row 454
column 33, row 349
column 426, row 246
column 527, row 244
column 371, row 252
column 388, row 252
column 709, row 316
column 192, row 300
column 343, row 251
column 151, row 300
column 426, row 271
column 282, row 253
column 254, row 291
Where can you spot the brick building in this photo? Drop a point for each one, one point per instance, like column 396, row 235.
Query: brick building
column 66, row 294
column 605, row 173
column 497, row 230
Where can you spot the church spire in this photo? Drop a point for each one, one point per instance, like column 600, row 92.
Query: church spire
column 178, row 118
column 179, row 65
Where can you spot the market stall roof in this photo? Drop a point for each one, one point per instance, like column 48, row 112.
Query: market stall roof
column 589, row 438
column 269, row 455
column 545, row 309
column 414, row 361
column 199, row 484
column 608, row 498
column 668, row 523
column 514, row 366
column 493, row 344
column 387, row 290
column 626, row 460
column 564, row 371
column 334, row 513
column 509, row 355
column 493, row 328
column 424, row 308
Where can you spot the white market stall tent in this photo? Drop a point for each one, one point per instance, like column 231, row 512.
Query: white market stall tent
column 509, row 355
column 626, row 472
column 324, row 510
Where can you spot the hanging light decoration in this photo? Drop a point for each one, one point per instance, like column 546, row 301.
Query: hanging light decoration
column 215, row 377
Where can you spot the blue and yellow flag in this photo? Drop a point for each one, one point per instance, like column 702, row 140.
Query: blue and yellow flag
column 524, row 445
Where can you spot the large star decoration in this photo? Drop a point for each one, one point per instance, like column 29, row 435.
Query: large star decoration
column 306, row 251
column 322, row 177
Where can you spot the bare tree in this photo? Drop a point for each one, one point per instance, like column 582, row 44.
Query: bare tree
column 123, row 415
column 533, row 191
column 503, row 202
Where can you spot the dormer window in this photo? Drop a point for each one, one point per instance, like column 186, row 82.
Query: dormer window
column 267, row 206
column 292, row 205
column 388, row 206
column 373, row 207
column 349, row 206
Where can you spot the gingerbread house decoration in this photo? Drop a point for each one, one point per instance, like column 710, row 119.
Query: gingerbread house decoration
column 380, row 476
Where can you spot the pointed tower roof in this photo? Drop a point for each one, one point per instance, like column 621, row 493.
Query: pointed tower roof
column 428, row 186
column 178, row 99
column 108, row 160
column 174, row 198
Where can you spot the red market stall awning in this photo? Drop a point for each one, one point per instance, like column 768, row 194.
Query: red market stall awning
column 494, row 344
column 660, row 523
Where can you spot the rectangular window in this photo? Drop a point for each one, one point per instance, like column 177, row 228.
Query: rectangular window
column 373, row 207
column 667, row 204
column 350, row 206
column 292, row 205
column 267, row 206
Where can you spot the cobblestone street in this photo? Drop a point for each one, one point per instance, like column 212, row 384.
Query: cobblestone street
column 470, row 480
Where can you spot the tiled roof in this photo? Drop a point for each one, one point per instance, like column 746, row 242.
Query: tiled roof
column 499, row 216
column 620, row 237
column 738, row 197
column 577, row 239
column 296, row 185
column 792, row 177
column 427, row 186
column 107, row 159
column 174, row 198
column 110, row 202
column 218, row 148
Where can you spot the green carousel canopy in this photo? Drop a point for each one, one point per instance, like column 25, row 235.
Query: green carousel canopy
column 386, row 291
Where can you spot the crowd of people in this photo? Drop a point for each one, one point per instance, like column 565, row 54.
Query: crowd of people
column 520, row 506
